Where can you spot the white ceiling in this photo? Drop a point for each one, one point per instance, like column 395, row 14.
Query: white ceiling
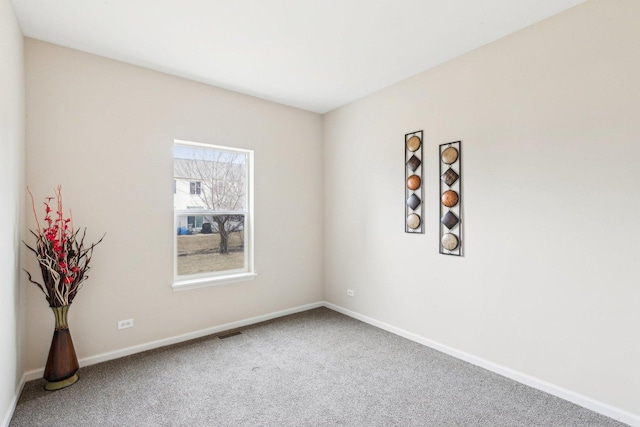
column 313, row 54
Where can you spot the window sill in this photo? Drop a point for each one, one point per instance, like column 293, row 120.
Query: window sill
column 185, row 285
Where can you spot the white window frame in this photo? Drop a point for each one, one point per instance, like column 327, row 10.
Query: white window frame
column 182, row 283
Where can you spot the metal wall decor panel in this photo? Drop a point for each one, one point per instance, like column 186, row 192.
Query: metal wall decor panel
column 451, row 218
column 413, row 183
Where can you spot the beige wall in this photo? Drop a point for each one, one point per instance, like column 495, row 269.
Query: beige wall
column 549, row 284
column 11, row 202
column 105, row 130
column 548, row 119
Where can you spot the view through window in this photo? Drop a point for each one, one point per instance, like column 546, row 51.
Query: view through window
column 211, row 208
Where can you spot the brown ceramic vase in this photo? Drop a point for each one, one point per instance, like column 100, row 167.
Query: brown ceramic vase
column 62, row 364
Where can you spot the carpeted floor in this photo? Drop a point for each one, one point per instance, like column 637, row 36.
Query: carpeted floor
column 317, row 368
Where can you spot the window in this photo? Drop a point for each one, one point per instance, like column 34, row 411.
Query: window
column 195, row 187
column 195, row 222
column 213, row 213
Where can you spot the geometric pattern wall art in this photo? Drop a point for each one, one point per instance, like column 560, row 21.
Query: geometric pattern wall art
column 451, row 199
column 413, row 183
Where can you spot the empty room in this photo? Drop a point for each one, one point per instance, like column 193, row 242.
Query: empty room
column 318, row 213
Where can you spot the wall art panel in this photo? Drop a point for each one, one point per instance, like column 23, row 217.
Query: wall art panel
column 413, row 183
column 451, row 198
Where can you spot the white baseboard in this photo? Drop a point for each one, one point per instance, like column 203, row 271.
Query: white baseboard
column 92, row 360
column 581, row 400
column 571, row 396
column 14, row 402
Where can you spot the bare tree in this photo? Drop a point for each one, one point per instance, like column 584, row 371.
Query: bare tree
column 222, row 187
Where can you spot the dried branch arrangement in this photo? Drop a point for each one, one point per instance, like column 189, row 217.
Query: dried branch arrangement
column 61, row 253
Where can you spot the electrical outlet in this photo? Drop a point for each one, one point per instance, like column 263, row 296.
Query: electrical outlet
column 123, row 324
column 351, row 293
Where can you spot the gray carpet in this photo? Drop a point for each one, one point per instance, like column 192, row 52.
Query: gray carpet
column 317, row 368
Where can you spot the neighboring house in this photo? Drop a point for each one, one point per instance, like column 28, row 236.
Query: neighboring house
column 204, row 186
column 186, row 195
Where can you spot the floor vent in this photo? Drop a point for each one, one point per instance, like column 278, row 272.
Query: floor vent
column 229, row 334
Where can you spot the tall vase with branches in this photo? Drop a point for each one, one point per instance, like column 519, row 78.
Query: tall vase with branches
column 63, row 259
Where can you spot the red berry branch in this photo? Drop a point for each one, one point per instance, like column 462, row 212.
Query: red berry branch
column 61, row 252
